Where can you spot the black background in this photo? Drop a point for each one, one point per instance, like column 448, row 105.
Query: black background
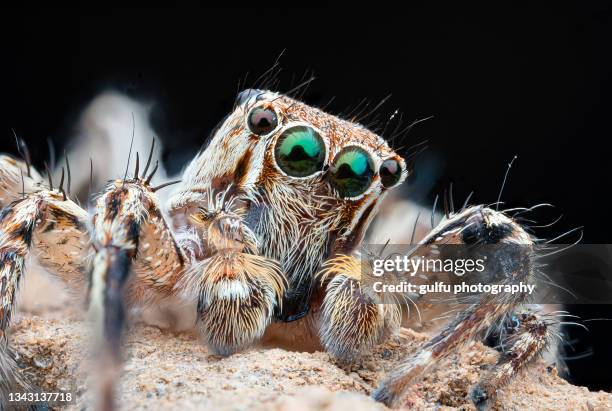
column 499, row 82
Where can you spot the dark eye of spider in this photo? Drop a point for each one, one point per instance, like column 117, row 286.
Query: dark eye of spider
column 300, row 151
column 352, row 172
column 262, row 120
column 390, row 172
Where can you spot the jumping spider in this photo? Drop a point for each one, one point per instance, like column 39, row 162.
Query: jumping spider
column 264, row 228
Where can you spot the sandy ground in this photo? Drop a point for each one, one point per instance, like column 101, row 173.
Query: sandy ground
column 173, row 370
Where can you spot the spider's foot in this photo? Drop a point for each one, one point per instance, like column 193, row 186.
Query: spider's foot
column 354, row 320
column 238, row 295
column 404, row 375
column 385, row 396
column 479, row 397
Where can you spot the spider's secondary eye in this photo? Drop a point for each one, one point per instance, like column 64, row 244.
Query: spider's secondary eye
column 300, row 151
column 390, row 172
column 352, row 172
column 262, row 120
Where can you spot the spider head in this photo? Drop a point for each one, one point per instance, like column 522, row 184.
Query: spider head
column 308, row 183
column 292, row 158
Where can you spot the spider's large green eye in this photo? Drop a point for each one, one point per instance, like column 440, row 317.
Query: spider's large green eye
column 352, row 172
column 390, row 172
column 300, row 151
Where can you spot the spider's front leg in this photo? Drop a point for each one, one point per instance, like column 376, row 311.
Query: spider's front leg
column 130, row 235
column 237, row 290
column 354, row 318
column 477, row 225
